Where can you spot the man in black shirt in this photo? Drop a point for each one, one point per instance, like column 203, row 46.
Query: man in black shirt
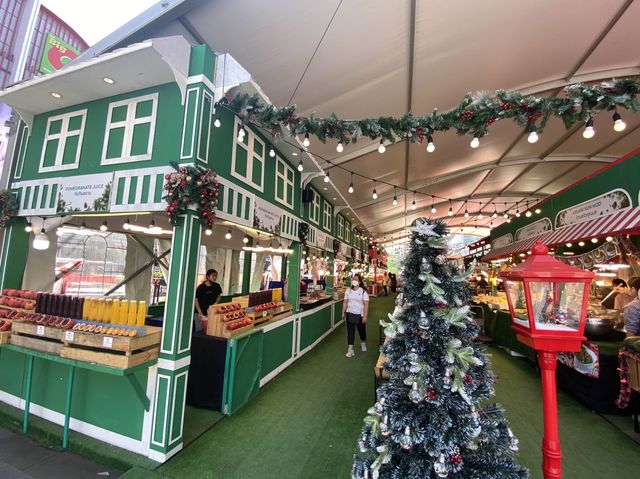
column 208, row 293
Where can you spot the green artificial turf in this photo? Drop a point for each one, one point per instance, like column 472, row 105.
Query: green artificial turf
column 305, row 423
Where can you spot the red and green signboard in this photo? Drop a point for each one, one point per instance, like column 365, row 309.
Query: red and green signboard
column 56, row 54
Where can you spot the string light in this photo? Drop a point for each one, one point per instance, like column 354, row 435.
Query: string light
column 518, row 212
column 395, row 197
column 241, row 134
column 381, row 148
column 300, row 166
column 326, row 177
column 466, row 213
column 413, row 203
column 450, row 209
column 375, row 194
column 431, row 147
column 272, row 152
column 351, row 184
column 618, row 124
column 528, row 213
column 533, row 135
column 28, row 228
column 495, row 211
column 433, row 206
column 245, row 240
column 306, row 141
column 589, row 132
column 480, row 215
column 537, row 211
column 475, row 143
column 228, row 235
column 208, row 232
column 340, row 147
column 217, row 122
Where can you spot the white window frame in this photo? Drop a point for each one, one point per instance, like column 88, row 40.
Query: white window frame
column 347, row 232
column 285, row 201
column 314, row 208
column 62, row 140
column 251, row 138
column 340, row 231
column 129, row 124
column 326, row 217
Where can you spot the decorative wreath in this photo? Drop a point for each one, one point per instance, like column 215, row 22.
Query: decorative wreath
column 8, row 208
column 191, row 185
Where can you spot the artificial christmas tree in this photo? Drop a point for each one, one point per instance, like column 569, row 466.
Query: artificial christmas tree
column 431, row 419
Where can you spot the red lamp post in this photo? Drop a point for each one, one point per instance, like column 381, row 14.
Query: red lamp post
column 548, row 304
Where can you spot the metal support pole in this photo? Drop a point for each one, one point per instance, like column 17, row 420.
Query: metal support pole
column 551, row 453
column 67, row 411
column 27, row 393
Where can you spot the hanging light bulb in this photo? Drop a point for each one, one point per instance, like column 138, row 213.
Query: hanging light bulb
column 217, row 122
column 537, row 211
column 450, row 213
column 480, row 215
column 505, row 215
column 326, row 177
column 431, row 147
column 208, row 232
column 340, row 147
column 466, row 213
column 589, row 132
column 508, row 220
column 228, row 235
column 28, row 228
column 272, row 152
column 245, row 240
column 350, row 190
column 126, row 225
column 41, row 241
column 533, row 135
column 395, row 197
column 300, row 166
column 103, row 226
column 433, row 206
column 528, row 214
column 306, row 141
column 495, row 211
column 382, row 148
column 518, row 212
column 475, row 143
column 413, row 203
column 375, row 194
column 581, row 243
column 618, row 124
column 241, row 134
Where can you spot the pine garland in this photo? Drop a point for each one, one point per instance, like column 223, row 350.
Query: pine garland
column 473, row 115
column 8, row 208
column 191, row 185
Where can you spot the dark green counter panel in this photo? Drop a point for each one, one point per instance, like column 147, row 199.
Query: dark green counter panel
column 244, row 371
column 277, row 347
column 102, row 400
column 314, row 326
column 337, row 312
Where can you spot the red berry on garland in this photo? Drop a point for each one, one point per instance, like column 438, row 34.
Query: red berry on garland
column 205, row 214
column 466, row 115
column 504, row 105
column 456, row 459
column 167, row 177
column 185, row 200
column 431, row 395
column 524, row 106
column 183, row 184
column 491, row 121
column 441, row 303
column 468, row 380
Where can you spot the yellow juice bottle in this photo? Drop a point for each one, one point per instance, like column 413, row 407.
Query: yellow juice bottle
column 142, row 313
column 99, row 310
column 133, row 312
column 106, row 316
column 115, row 311
column 124, row 312
column 86, row 308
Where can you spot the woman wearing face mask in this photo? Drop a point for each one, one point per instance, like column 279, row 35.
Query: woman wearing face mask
column 355, row 309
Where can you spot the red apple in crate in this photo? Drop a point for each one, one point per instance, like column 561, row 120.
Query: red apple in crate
column 6, row 326
column 29, row 305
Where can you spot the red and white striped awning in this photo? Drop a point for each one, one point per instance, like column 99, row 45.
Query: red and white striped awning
column 622, row 222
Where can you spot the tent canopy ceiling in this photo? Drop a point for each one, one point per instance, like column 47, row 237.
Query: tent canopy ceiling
column 386, row 58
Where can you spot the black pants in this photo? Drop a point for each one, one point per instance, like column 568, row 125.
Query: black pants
column 351, row 331
column 386, row 293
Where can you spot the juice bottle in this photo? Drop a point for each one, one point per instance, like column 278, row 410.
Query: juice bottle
column 100, row 310
column 133, row 313
column 124, row 312
column 142, row 313
column 86, row 308
column 115, row 311
column 106, row 316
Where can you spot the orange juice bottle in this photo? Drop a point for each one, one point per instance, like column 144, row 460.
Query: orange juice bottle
column 142, row 313
column 124, row 312
column 106, row 316
column 115, row 311
column 86, row 308
column 99, row 310
column 133, row 313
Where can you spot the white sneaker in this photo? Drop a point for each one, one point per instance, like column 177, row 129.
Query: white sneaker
column 363, row 347
column 350, row 353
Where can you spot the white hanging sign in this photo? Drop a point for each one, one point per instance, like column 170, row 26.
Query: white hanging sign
column 85, row 193
column 534, row 229
column 605, row 204
column 502, row 241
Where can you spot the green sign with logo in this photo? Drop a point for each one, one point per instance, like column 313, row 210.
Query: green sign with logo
column 56, row 53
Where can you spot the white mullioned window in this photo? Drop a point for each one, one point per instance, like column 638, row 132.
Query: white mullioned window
column 63, row 142
column 284, row 183
column 247, row 157
column 314, row 208
column 130, row 130
column 326, row 217
column 347, row 232
column 340, row 232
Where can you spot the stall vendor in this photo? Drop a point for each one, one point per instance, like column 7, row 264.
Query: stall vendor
column 209, row 292
column 632, row 310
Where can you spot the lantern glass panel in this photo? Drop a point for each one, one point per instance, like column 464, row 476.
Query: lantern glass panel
column 557, row 306
column 515, row 290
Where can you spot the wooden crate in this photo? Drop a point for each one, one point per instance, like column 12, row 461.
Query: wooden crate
column 5, row 337
column 116, row 359
column 260, row 316
column 45, row 345
column 263, row 319
column 217, row 327
column 152, row 337
column 37, row 330
column 281, row 315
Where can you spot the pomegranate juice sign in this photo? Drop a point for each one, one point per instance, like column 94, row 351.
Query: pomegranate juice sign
column 605, row 204
column 266, row 216
column 85, row 193
column 534, row 229
column 56, row 53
